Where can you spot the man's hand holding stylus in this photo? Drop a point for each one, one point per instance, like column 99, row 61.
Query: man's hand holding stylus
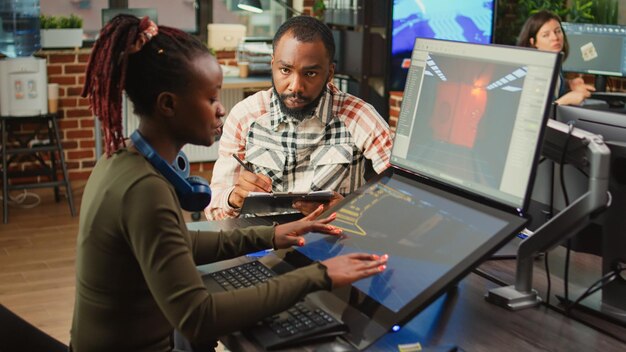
column 248, row 182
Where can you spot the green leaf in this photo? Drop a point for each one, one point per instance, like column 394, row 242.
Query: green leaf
column 56, row 22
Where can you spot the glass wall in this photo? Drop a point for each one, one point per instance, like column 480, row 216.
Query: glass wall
column 183, row 14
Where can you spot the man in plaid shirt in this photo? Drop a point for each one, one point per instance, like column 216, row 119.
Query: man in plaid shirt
column 301, row 135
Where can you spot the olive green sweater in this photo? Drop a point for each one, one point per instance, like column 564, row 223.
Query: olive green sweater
column 136, row 276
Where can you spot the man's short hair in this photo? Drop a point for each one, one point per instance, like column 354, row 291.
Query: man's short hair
column 307, row 29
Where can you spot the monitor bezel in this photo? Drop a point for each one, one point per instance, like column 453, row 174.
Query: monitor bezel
column 556, row 59
column 353, row 305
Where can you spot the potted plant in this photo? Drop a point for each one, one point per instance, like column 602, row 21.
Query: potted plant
column 319, row 7
column 61, row 31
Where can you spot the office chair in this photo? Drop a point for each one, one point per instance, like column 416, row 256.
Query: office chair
column 19, row 335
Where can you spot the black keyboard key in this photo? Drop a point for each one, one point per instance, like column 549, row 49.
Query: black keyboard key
column 245, row 275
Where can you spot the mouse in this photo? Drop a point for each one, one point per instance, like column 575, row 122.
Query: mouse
column 615, row 103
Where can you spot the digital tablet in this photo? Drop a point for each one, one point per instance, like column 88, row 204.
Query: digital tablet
column 280, row 202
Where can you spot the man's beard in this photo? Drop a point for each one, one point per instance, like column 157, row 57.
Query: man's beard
column 298, row 113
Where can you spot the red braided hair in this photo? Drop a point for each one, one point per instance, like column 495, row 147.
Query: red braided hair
column 118, row 63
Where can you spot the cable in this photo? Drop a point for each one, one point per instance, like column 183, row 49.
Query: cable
column 582, row 171
column 587, row 322
column 549, row 285
column 566, row 198
column 20, row 201
column 598, row 285
column 568, row 250
column 549, row 216
column 480, row 272
column 551, row 209
column 562, row 162
column 546, row 263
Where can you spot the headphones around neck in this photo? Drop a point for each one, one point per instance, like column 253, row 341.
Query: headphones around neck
column 193, row 192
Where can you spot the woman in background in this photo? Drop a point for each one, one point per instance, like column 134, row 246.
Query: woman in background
column 543, row 31
column 136, row 276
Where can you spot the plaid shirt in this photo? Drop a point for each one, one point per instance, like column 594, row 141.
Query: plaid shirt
column 325, row 151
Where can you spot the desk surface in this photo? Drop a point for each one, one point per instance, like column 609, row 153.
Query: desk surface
column 463, row 318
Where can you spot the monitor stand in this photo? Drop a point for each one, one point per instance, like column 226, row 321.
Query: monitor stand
column 611, row 303
column 539, row 214
column 600, row 83
column 584, row 148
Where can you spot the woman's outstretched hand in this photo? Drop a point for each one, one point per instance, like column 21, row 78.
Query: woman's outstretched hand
column 346, row 269
column 290, row 234
column 342, row 270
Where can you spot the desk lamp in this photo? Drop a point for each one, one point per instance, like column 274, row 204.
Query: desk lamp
column 255, row 6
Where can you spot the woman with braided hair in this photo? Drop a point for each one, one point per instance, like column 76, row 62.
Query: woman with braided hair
column 136, row 261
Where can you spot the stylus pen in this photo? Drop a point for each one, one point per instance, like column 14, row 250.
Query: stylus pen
column 242, row 163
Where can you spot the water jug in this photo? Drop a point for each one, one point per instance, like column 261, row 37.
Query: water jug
column 19, row 27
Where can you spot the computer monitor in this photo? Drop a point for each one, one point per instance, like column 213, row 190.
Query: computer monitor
column 598, row 49
column 459, row 134
column 469, row 21
column 464, row 155
column 612, row 222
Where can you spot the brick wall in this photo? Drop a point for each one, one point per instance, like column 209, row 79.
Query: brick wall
column 227, row 57
column 395, row 100
column 76, row 122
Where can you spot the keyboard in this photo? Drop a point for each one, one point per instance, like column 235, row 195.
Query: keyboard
column 302, row 323
column 244, row 275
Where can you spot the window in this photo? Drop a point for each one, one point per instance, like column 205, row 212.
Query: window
column 88, row 10
column 189, row 15
column 183, row 14
column 259, row 24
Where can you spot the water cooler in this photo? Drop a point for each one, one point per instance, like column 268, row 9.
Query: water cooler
column 23, row 78
column 23, row 86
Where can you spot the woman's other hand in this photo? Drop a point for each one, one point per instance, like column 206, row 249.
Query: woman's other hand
column 578, row 84
column 290, row 234
column 575, row 97
column 346, row 269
